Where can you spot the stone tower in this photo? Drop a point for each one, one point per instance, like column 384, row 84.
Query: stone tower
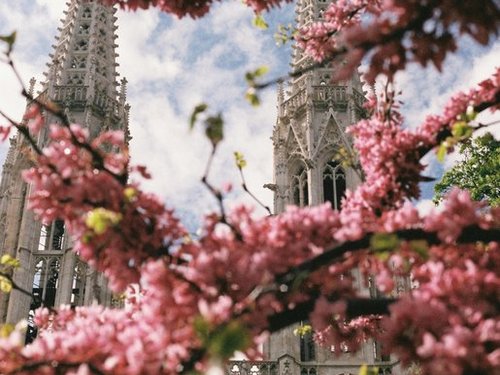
column 310, row 133
column 310, row 130
column 82, row 80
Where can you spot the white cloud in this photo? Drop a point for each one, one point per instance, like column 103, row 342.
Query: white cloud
column 173, row 65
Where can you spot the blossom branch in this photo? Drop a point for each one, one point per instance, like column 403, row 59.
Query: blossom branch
column 355, row 307
column 469, row 234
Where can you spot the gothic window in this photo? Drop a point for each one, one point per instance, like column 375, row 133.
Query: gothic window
column 45, row 282
column 300, row 189
column 84, row 29
column 307, row 348
column 102, row 33
column 51, row 236
column 101, row 51
column 81, row 45
column 102, row 17
column 87, row 13
column 334, row 184
column 76, row 79
column 78, row 62
column 325, row 79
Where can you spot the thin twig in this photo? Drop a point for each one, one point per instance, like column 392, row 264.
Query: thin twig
column 218, row 195
column 245, row 188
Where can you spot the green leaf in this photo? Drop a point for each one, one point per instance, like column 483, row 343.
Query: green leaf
column 200, row 108
column 441, row 152
column 461, row 129
column 214, row 129
column 261, row 70
column 10, row 40
column 202, row 328
column 100, row 219
column 240, row 160
column 229, row 339
column 252, row 97
column 420, row 247
column 384, row 241
column 130, row 193
column 5, row 284
column 259, row 22
column 470, row 114
column 303, row 330
column 368, row 370
column 10, row 261
column 6, row 330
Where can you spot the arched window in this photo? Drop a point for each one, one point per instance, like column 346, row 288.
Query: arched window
column 300, row 190
column 52, row 236
column 307, row 348
column 334, row 184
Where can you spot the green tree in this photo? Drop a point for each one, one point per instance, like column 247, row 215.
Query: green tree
column 479, row 172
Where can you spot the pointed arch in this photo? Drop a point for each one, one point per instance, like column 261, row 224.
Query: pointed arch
column 334, row 183
column 52, row 236
column 299, row 185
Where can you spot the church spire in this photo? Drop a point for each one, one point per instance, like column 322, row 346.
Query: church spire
column 84, row 51
column 310, row 129
column 82, row 74
column 82, row 80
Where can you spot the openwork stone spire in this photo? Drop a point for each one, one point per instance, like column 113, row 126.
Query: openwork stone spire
column 83, row 81
column 82, row 73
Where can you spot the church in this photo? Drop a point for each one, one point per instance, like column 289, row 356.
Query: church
column 82, row 79
column 308, row 137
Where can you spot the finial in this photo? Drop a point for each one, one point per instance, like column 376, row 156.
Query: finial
column 31, row 89
column 281, row 92
column 123, row 89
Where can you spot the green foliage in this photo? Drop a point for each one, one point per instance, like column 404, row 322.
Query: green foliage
column 130, row 194
column 421, row 247
column 9, row 261
column 214, row 125
column 222, row 341
column 251, row 79
column 368, row 370
column 259, row 22
column 382, row 242
column 100, row 219
column 10, row 40
column 7, row 265
column 460, row 131
column 302, row 330
column 5, row 284
column 240, row 160
column 214, row 129
column 285, row 34
column 200, row 108
column 479, row 173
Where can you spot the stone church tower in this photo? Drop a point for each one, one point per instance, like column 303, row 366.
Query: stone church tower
column 82, row 80
column 310, row 133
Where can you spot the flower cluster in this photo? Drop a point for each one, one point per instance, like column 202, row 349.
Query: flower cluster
column 190, row 8
column 396, row 32
column 116, row 226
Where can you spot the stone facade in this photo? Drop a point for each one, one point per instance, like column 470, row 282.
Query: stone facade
column 81, row 79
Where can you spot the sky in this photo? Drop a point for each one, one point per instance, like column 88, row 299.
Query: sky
column 172, row 65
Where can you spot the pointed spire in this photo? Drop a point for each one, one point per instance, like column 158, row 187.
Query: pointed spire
column 85, row 48
column 123, row 90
